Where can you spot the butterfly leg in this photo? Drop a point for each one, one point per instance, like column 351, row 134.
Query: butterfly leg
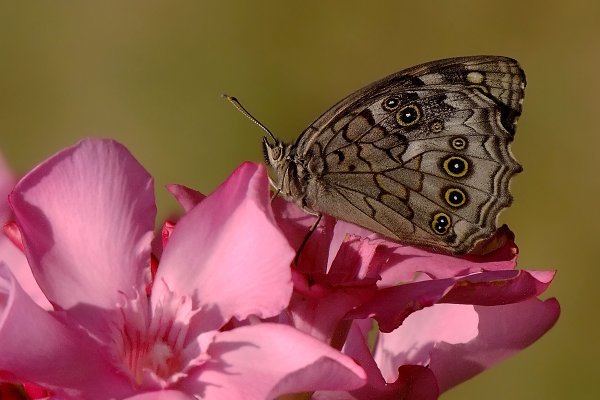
column 276, row 189
column 307, row 236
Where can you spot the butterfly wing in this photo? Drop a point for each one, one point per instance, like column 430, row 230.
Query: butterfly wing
column 422, row 155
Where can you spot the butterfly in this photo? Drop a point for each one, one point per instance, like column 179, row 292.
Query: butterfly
column 421, row 156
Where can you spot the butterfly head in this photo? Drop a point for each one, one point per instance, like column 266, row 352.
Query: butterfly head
column 288, row 172
column 275, row 152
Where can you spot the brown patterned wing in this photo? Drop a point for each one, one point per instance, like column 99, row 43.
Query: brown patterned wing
column 423, row 155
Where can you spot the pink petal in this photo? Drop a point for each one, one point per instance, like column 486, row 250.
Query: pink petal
column 228, row 253
column 503, row 331
column 187, row 197
column 15, row 260
column 498, row 287
column 421, row 332
column 268, row 360
column 87, row 216
column 162, row 395
column 460, row 341
column 392, row 305
column 408, row 261
column 36, row 347
column 295, row 225
column 412, row 382
column 358, row 260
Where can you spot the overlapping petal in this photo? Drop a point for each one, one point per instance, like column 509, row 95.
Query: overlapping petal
column 15, row 260
column 353, row 275
column 10, row 253
column 267, row 360
column 390, row 306
column 87, row 216
column 37, row 347
column 460, row 341
column 230, row 240
column 412, row 382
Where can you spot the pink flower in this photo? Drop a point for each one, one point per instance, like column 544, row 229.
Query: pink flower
column 86, row 217
column 442, row 319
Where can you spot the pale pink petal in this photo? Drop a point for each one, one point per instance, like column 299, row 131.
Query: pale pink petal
column 163, row 395
column 392, row 305
column 344, row 229
column 503, row 331
column 408, row 261
column 187, row 197
column 358, row 260
column 268, row 360
column 36, row 347
column 15, row 260
column 228, row 253
column 421, row 332
column 460, row 341
column 412, row 382
column 499, row 287
column 87, row 215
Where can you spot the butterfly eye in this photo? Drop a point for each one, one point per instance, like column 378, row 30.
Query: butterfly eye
column 455, row 197
column 408, row 115
column 441, row 223
column 391, row 103
column 456, row 167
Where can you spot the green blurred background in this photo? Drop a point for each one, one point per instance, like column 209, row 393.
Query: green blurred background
column 150, row 74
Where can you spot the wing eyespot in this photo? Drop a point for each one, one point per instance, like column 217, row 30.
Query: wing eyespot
column 441, row 223
column 455, row 197
column 458, row 143
column 408, row 115
column 391, row 103
column 456, row 166
column 436, row 126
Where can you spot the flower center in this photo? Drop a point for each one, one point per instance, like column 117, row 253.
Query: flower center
column 150, row 340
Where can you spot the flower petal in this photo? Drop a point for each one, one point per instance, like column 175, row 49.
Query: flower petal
column 163, row 395
column 36, row 347
column 268, row 360
column 460, row 341
column 503, row 331
column 15, row 260
column 408, row 261
column 187, row 197
column 228, row 253
column 413, row 341
column 412, row 382
column 296, row 225
column 87, row 215
column 390, row 306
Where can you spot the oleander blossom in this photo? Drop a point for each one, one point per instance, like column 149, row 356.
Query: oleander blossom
column 86, row 220
column 441, row 319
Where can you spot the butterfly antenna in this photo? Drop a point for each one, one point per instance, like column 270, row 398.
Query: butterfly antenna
column 241, row 109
